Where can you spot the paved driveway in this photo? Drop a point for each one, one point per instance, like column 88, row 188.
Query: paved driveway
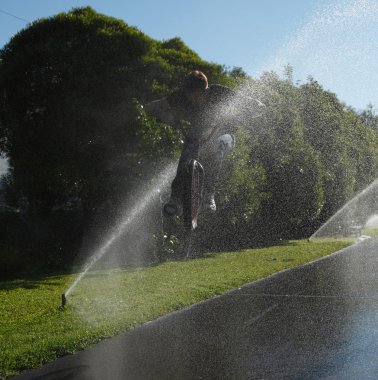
column 319, row 321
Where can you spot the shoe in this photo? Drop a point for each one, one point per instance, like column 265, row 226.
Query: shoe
column 208, row 204
column 173, row 207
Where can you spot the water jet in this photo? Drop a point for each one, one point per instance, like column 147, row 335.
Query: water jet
column 352, row 217
column 130, row 216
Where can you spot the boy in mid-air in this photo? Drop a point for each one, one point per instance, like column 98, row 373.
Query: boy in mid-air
column 211, row 110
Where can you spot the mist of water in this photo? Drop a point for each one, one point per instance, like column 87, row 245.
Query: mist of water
column 352, row 217
column 129, row 217
column 338, row 47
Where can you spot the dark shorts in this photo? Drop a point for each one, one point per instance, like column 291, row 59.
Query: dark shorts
column 207, row 154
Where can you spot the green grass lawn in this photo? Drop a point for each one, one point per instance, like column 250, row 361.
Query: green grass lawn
column 33, row 330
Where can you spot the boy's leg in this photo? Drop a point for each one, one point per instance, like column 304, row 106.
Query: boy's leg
column 189, row 151
column 213, row 155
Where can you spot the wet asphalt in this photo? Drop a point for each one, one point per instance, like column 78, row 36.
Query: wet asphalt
column 318, row 321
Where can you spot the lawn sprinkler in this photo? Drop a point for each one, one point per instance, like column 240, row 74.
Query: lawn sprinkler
column 64, row 300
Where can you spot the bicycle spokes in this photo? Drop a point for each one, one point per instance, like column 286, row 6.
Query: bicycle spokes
column 192, row 198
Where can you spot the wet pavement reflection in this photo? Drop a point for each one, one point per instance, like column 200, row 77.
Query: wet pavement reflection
column 319, row 321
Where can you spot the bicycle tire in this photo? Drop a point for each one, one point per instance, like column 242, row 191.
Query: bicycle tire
column 192, row 194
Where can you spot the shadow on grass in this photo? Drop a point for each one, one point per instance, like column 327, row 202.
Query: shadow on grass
column 25, row 284
column 202, row 252
column 206, row 252
column 33, row 282
column 243, row 247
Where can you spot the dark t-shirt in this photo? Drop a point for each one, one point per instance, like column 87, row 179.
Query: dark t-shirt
column 208, row 114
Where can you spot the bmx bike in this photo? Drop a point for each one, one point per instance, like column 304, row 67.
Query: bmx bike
column 192, row 198
column 194, row 180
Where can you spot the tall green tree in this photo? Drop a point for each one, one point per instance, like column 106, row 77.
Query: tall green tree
column 345, row 147
column 293, row 170
column 67, row 83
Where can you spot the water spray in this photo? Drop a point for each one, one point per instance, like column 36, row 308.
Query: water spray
column 131, row 215
column 357, row 210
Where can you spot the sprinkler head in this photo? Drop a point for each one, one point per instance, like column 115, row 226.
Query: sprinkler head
column 64, row 300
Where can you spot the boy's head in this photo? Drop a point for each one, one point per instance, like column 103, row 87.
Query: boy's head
column 194, row 81
column 195, row 85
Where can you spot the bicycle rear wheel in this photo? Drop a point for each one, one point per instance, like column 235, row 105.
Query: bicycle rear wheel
column 192, row 194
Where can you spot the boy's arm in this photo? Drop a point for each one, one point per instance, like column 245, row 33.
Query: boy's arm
column 170, row 110
column 162, row 110
column 240, row 112
column 251, row 108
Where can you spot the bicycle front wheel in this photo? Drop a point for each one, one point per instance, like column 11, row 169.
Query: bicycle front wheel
column 192, row 194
